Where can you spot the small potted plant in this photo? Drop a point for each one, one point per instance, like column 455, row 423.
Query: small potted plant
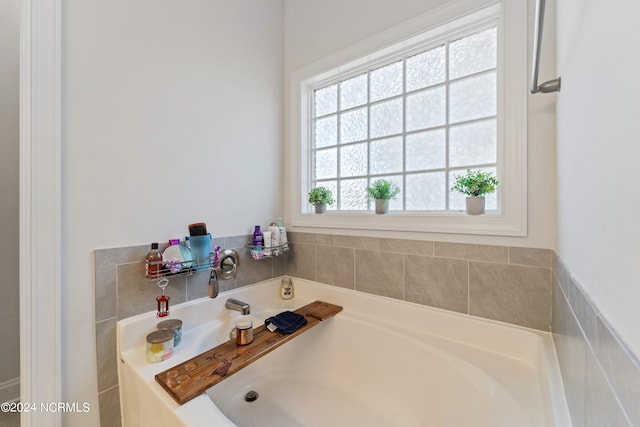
column 381, row 191
column 320, row 197
column 475, row 184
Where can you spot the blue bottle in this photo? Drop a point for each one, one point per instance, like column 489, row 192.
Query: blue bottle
column 257, row 237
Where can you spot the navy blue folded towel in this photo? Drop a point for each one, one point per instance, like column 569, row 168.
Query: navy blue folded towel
column 287, row 321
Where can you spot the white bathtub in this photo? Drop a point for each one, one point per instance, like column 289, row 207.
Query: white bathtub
column 380, row 362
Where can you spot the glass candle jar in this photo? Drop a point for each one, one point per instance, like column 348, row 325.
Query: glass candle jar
column 159, row 346
column 244, row 332
column 175, row 326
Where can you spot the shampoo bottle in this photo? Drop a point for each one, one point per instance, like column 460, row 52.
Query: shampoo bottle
column 153, row 262
column 257, row 237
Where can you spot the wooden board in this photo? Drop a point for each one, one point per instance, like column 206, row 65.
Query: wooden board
column 191, row 378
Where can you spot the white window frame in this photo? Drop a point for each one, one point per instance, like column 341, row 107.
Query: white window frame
column 511, row 220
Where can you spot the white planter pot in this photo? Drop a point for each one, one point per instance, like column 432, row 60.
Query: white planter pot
column 382, row 206
column 475, row 205
column 321, row 208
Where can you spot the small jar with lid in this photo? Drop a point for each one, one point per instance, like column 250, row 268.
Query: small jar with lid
column 159, row 345
column 244, row 332
column 175, row 326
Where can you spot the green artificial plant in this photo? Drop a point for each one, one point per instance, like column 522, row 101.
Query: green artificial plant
column 383, row 189
column 475, row 183
column 320, row 195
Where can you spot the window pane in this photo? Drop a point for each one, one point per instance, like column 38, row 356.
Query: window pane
column 326, row 100
column 386, row 155
column 353, row 160
column 326, row 131
column 426, row 191
column 326, row 163
column 386, row 118
column 426, row 150
column 472, row 54
column 472, row 98
column 353, row 194
column 426, row 109
column 473, row 144
column 353, row 92
column 426, row 69
column 353, row 125
column 386, row 81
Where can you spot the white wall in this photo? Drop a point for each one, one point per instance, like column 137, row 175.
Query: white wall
column 172, row 114
column 314, row 30
column 598, row 152
column 9, row 286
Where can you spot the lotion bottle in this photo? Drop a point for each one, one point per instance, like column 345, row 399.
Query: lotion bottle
column 275, row 238
column 283, row 236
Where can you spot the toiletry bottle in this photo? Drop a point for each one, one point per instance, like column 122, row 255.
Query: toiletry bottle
column 153, row 262
column 286, row 288
column 283, row 237
column 275, row 238
column 257, row 237
column 266, row 239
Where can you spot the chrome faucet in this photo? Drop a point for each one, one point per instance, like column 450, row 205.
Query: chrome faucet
column 234, row 304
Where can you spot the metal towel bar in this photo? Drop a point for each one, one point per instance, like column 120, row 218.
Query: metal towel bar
column 551, row 85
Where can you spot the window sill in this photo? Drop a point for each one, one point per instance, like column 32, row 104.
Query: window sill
column 494, row 224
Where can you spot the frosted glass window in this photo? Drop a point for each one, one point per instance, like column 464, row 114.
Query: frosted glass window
column 386, row 118
column 472, row 98
column 326, row 131
column 326, row 100
column 426, row 69
column 473, row 143
column 353, row 92
column 426, row 109
column 426, row 150
column 416, row 120
column 326, row 165
column 353, row 125
column 426, row 191
column 386, row 81
column 353, row 160
column 353, row 194
column 386, row 156
column 472, row 54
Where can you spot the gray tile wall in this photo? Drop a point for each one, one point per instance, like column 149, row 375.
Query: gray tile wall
column 600, row 374
column 509, row 284
column 122, row 291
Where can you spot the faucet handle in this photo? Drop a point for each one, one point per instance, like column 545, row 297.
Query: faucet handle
column 229, row 261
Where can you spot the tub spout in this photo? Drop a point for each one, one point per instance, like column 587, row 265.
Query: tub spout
column 234, row 304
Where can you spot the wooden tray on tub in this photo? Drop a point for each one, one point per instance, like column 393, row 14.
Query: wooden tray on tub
column 191, row 378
